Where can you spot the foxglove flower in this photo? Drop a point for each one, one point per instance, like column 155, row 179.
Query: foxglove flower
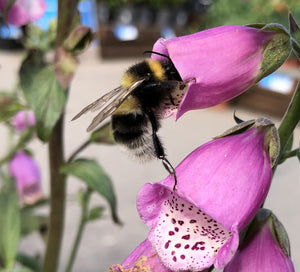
column 23, row 11
column 22, row 120
column 221, row 186
column 265, row 248
column 28, row 178
column 222, row 62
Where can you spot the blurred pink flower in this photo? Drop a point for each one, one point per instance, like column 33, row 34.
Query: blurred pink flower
column 22, row 120
column 23, row 11
column 28, row 178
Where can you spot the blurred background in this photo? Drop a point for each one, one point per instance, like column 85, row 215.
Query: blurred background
column 123, row 30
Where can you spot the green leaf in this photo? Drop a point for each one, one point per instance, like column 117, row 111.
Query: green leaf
column 44, row 94
column 28, row 261
column 93, row 175
column 10, row 224
column 32, row 222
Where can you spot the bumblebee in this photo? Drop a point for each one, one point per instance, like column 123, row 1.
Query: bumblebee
column 148, row 90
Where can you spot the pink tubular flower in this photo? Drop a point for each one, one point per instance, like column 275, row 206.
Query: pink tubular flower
column 22, row 120
column 23, row 11
column 221, row 186
column 266, row 247
column 224, row 61
column 28, row 178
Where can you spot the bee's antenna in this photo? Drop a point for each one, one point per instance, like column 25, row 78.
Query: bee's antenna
column 160, row 54
column 237, row 119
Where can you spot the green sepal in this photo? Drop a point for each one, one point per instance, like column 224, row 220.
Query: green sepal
column 295, row 32
column 10, row 223
column 103, row 135
column 78, row 40
column 93, row 175
column 65, row 65
column 276, row 51
column 95, row 213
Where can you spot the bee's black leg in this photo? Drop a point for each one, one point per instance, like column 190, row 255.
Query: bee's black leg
column 170, row 169
column 158, row 148
column 172, row 100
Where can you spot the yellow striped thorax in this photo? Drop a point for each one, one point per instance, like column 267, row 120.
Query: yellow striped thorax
column 130, row 104
column 141, row 70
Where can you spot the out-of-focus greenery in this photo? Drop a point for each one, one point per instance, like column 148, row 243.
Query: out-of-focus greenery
column 225, row 12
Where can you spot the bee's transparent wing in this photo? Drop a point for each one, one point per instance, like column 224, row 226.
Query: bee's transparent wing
column 111, row 107
column 99, row 102
column 113, row 100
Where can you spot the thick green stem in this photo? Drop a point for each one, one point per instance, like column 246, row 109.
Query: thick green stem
column 65, row 22
column 289, row 121
column 83, row 221
column 57, row 199
column 289, row 154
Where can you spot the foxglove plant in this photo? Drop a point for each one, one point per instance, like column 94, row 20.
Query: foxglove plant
column 28, row 178
column 223, row 62
column 221, row 186
column 265, row 248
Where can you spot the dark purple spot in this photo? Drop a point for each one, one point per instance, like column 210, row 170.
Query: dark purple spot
column 182, row 257
column 176, row 229
column 186, row 237
column 196, row 246
column 193, row 221
column 173, row 221
column 178, row 245
column 174, row 259
column 171, row 232
column 180, row 222
column 173, row 252
column 167, row 214
column 167, row 244
column 186, row 246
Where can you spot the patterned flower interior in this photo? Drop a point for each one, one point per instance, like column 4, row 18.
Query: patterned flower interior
column 185, row 237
